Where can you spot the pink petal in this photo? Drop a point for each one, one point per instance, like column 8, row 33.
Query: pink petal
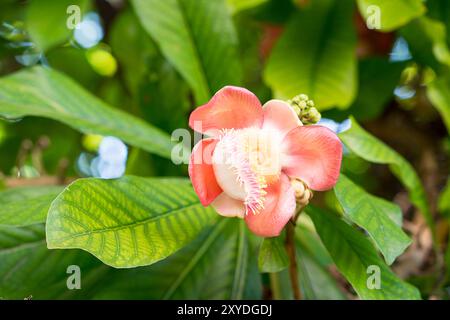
column 313, row 154
column 279, row 207
column 228, row 207
column 280, row 117
column 231, row 107
column 201, row 171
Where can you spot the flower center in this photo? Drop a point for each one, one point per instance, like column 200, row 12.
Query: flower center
column 245, row 162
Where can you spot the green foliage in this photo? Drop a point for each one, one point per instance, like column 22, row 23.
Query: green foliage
column 46, row 21
column 393, row 14
column 272, row 255
column 67, row 102
column 198, row 38
column 354, row 254
column 380, row 218
column 438, row 92
column 427, row 42
column 372, row 149
column 26, row 205
column 127, row 222
column 310, row 59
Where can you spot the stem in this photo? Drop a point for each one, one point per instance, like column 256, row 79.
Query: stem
column 290, row 248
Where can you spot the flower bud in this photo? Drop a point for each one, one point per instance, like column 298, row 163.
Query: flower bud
column 302, row 193
column 304, row 108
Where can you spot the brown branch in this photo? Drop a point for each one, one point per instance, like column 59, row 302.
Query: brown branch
column 290, row 248
column 34, row 182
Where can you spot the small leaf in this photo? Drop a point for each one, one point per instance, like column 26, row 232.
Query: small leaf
column 373, row 150
column 377, row 216
column 44, row 92
column 272, row 255
column 438, row 92
column 354, row 254
column 127, row 222
column 393, row 14
column 198, row 38
column 310, row 59
column 26, row 205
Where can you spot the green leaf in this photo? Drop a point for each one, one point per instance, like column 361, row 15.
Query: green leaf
column 46, row 93
column 373, row 150
column 28, row 268
column 354, row 254
column 444, row 201
column 392, row 14
column 377, row 80
column 310, row 59
column 219, row 264
column 198, row 38
column 239, row 5
column 438, row 92
column 46, row 21
column 428, row 43
column 205, row 269
column 272, row 255
column 127, row 222
column 26, row 205
column 380, row 218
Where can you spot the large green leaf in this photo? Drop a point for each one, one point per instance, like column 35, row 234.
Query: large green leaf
column 371, row 149
column 28, row 268
column 198, row 38
column 392, row 13
column 310, row 59
column 438, row 92
column 378, row 78
column 127, row 222
column 51, row 30
column 46, row 93
column 354, row 254
column 26, row 205
column 220, row 264
column 428, row 43
column 272, row 255
column 377, row 216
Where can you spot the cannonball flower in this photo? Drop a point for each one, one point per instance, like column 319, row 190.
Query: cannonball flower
column 252, row 154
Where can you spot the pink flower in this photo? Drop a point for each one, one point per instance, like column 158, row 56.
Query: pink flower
column 245, row 166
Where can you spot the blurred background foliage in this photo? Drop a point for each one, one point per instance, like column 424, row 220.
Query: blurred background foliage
column 160, row 59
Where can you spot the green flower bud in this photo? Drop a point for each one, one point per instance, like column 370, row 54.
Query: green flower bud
column 304, row 108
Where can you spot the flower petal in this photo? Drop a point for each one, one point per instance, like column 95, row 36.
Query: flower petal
column 313, row 154
column 279, row 207
column 228, row 207
column 201, row 171
column 280, row 117
column 231, row 107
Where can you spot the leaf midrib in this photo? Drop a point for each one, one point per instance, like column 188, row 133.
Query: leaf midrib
column 126, row 226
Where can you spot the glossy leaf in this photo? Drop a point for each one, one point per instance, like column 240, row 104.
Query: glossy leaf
column 310, row 59
column 428, row 43
column 272, row 255
column 26, row 205
column 47, row 93
column 392, row 14
column 198, row 38
column 380, row 218
column 373, row 150
column 127, row 222
column 354, row 255
column 219, row 264
column 51, row 30
column 438, row 92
